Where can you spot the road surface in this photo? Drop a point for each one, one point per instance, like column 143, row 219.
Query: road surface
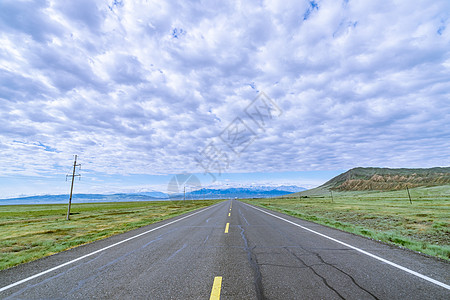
column 235, row 251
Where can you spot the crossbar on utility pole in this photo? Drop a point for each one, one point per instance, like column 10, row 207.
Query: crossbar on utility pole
column 71, row 186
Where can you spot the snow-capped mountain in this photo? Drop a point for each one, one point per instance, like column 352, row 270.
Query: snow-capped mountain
column 252, row 191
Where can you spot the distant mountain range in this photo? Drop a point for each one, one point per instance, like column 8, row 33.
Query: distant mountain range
column 242, row 192
column 383, row 179
column 77, row 198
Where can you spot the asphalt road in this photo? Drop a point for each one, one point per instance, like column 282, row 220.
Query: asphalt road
column 259, row 255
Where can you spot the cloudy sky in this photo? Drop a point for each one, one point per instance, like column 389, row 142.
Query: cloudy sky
column 141, row 90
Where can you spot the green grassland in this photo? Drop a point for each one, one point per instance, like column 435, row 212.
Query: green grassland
column 29, row 232
column 422, row 226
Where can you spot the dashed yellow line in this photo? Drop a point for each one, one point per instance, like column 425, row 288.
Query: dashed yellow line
column 226, row 227
column 217, row 286
column 229, row 214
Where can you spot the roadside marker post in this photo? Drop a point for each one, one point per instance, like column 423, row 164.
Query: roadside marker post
column 410, row 202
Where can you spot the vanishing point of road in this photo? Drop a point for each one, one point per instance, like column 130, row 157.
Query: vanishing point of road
column 231, row 250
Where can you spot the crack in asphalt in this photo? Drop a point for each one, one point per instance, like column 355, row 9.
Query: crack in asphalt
column 351, row 277
column 323, row 262
column 176, row 252
column 324, row 280
column 206, row 239
column 288, row 267
column 242, row 216
column 254, row 264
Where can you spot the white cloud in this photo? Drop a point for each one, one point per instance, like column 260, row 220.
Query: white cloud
column 142, row 87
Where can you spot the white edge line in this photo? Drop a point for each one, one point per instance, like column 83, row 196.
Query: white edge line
column 360, row 250
column 97, row 251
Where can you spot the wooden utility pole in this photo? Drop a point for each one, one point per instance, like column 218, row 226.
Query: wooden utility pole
column 71, row 186
column 410, row 202
column 331, row 192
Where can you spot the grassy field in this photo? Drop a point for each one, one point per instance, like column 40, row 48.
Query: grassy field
column 422, row 226
column 29, row 232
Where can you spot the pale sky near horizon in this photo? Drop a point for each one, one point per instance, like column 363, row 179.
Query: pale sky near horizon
column 141, row 90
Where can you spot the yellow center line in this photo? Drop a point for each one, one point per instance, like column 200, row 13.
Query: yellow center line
column 226, row 227
column 229, row 214
column 215, row 291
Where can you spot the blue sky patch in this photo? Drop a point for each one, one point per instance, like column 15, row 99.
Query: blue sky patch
column 313, row 5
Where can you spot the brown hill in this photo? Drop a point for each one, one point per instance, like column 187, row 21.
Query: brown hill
column 363, row 179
